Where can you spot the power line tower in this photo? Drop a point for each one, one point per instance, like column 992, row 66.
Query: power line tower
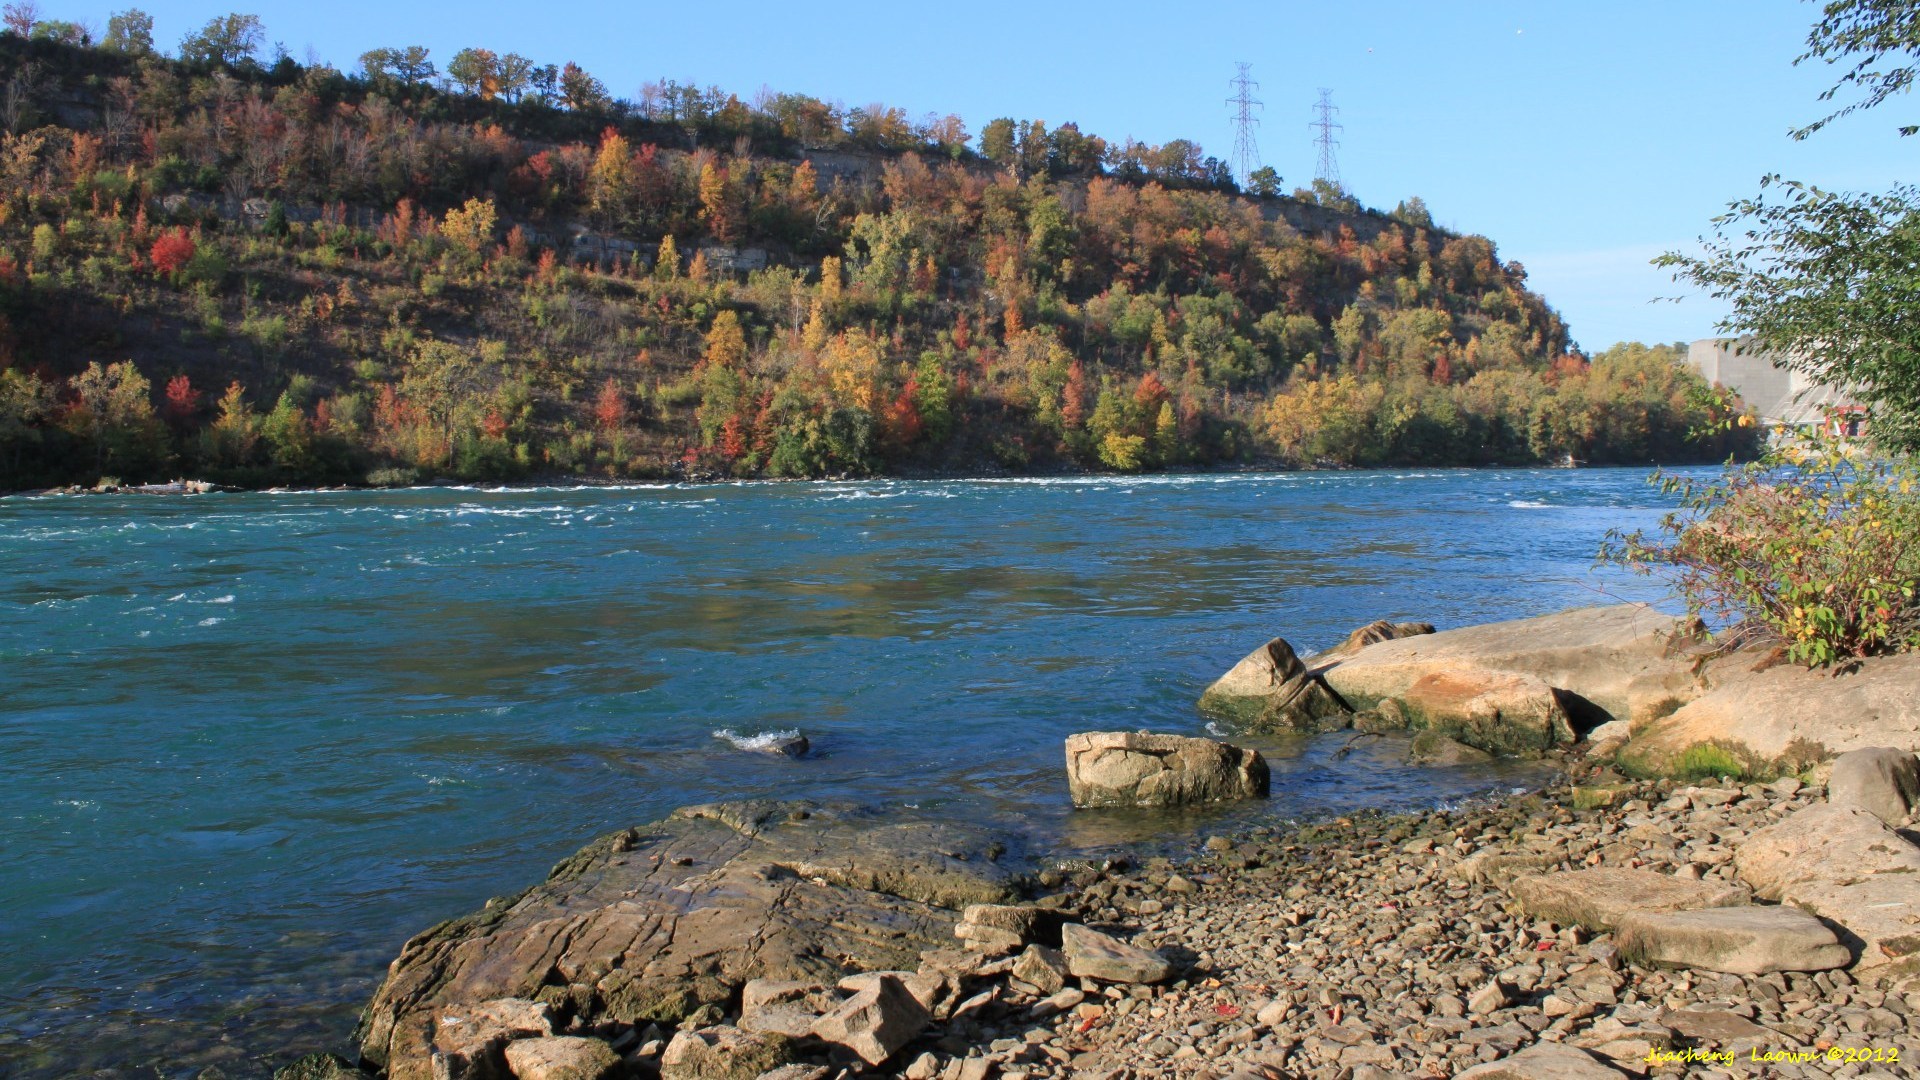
column 1246, row 150
column 1324, row 125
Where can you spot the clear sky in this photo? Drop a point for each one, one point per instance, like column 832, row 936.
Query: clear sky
column 1583, row 137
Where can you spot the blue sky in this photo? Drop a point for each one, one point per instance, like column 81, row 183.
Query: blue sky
column 1584, row 138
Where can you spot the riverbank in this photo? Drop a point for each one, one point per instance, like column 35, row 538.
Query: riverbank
column 1606, row 927
column 1364, row 946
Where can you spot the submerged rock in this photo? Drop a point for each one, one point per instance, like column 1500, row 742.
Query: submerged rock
column 652, row 924
column 1129, row 768
column 1433, row 748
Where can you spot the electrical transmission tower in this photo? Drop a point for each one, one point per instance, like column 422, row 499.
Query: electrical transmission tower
column 1246, row 150
column 1325, row 125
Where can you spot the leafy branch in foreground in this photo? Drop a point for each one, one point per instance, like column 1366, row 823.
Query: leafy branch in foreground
column 1813, row 544
column 1871, row 30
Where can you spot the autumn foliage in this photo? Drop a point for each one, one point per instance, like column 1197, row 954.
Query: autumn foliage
column 509, row 273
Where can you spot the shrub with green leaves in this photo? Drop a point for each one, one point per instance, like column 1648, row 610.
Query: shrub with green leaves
column 1813, row 544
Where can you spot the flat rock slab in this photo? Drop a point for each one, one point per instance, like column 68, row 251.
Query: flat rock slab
column 1136, row 768
column 1544, row 1061
column 1735, row 940
column 1093, row 955
column 1616, row 657
column 647, row 925
column 1881, row 780
column 1600, row 897
column 1823, row 845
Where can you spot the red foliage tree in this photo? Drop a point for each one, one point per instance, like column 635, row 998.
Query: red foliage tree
column 183, row 401
column 1073, row 409
column 172, row 251
column 733, row 439
column 610, row 407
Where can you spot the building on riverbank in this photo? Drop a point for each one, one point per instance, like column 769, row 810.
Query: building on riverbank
column 1784, row 399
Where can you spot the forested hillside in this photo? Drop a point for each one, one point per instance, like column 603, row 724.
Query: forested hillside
column 262, row 271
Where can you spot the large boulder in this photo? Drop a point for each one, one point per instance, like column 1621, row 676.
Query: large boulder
column 1784, row 717
column 1135, row 768
column 650, row 925
column 1622, row 660
column 1745, row 940
column 1599, row 898
column 1497, row 711
column 1881, row 780
column 1272, row 690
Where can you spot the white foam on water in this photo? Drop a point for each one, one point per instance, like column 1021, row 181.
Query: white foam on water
column 227, row 599
column 766, row 740
column 209, row 622
column 1529, row 504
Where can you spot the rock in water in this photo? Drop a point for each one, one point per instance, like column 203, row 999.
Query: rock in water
column 1093, row 955
column 561, row 1057
column 1272, row 690
column 1736, row 940
column 1433, row 748
column 1599, row 898
column 319, row 1067
column 649, row 925
column 876, row 1022
column 1127, row 768
column 1881, row 780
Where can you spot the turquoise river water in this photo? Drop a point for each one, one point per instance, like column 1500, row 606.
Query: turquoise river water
column 250, row 743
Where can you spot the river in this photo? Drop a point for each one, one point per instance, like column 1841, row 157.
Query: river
column 250, row 743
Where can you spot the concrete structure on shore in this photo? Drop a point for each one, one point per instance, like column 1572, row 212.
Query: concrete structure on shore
column 1780, row 396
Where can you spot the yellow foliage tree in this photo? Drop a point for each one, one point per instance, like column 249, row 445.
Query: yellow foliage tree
column 470, row 226
column 726, row 342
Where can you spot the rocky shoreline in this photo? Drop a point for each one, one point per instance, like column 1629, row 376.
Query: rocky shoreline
column 1603, row 927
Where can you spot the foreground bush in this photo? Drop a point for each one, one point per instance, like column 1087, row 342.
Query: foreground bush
column 1812, row 544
